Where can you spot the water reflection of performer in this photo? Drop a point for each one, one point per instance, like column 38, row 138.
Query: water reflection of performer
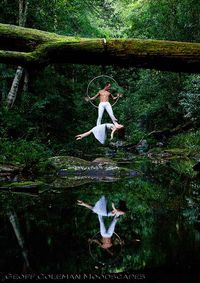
column 100, row 209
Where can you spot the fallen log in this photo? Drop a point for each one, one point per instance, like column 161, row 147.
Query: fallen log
column 26, row 47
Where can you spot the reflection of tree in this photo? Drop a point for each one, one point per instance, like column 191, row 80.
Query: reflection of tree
column 160, row 215
column 16, row 228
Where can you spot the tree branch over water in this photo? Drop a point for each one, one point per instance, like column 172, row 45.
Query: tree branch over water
column 24, row 46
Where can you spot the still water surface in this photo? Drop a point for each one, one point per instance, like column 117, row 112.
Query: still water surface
column 46, row 232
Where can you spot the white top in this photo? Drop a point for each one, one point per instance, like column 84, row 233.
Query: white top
column 100, row 207
column 100, row 132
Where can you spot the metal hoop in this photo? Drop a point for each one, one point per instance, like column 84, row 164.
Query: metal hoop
column 95, row 79
column 95, row 237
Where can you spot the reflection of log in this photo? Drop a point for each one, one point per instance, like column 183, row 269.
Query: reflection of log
column 25, row 46
column 27, row 189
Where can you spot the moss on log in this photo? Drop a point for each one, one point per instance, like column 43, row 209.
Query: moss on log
column 25, row 46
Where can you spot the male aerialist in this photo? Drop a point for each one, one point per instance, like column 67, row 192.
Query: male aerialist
column 104, row 104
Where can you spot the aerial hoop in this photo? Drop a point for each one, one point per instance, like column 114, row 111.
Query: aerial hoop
column 87, row 91
column 99, row 261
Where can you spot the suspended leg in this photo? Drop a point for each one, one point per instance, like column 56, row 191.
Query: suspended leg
column 100, row 113
column 102, row 226
column 111, row 228
column 110, row 112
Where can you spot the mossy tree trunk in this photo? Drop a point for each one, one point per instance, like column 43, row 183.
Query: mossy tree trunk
column 28, row 47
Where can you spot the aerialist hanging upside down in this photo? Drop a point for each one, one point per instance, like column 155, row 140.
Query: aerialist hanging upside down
column 100, row 208
column 104, row 104
column 100, row 132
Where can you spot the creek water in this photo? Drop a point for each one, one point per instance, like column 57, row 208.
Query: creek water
column 47, row 232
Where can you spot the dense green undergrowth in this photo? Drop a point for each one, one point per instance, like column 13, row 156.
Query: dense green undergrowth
column 189, row 141
column 23, row 151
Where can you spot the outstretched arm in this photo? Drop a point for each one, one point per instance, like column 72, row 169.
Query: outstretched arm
column 81, row 136
column 112, row 132
column 119, row 241
column 99, row 244
column 95, row 241
column 115, row 128
column 81, row 203
column 87, row 98
column 116, row 97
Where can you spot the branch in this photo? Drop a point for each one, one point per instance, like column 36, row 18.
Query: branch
column 27, row 46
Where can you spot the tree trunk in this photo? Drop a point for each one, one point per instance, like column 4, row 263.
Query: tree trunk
column 23, row 8
column 25, row 86
column 16, row 228
column 26, row 46
column 14, row 88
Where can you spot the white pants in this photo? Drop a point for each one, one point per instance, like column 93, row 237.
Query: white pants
column 105, row 106
column 107, row 233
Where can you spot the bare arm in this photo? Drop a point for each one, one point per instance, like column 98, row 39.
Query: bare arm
column 112, row 133
column 81, row 203
column 81, row 136
column 116, row 97
column 87, row 98
column 115, row 128
column 119, row 241
column 95, row 241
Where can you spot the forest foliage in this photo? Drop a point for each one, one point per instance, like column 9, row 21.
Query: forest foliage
column 53, row 110
column 163, row 204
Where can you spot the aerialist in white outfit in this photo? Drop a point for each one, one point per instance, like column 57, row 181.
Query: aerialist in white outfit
column 100, row 132
column 104, row 104
column 100, row 209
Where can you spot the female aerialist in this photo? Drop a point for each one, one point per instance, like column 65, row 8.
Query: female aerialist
column 100, row 209
column 100, row 131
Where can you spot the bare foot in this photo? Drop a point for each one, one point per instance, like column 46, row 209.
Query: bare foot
column 118, row 126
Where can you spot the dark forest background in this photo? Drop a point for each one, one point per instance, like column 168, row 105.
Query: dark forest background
column 49, row 109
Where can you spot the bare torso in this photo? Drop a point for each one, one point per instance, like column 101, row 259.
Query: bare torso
column 104, row 95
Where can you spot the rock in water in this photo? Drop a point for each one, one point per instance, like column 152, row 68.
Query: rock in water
column 61, row 162
column 71, row 170
column 103, row 161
